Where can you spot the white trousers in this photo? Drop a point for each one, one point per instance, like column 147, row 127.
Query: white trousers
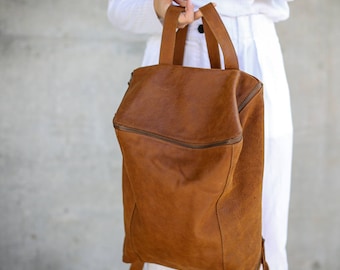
column 259, row 53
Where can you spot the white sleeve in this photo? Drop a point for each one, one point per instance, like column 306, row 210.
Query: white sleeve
column 135, row 16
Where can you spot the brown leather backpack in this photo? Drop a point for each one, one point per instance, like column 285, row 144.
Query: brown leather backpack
column 192, row 146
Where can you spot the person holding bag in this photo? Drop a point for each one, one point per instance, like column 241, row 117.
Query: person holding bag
column 250, row 24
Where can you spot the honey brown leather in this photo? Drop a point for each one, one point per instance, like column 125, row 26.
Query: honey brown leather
column 192, row 147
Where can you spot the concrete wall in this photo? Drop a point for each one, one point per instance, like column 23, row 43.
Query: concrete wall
column 63, row 71
column 310, row 42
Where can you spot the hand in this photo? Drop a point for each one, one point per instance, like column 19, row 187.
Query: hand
column 186, row 17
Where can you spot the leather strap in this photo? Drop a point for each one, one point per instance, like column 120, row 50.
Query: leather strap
column 181, row 36
column 220, row 33
column 212, row 45
column 169, row 35
column 172, row 46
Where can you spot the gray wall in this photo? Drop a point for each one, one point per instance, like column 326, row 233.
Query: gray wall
column 63, row 71
column 310, row 42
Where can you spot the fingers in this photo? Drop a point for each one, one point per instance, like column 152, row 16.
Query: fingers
column 197, row 15
column 185, row 18
column 189, row 15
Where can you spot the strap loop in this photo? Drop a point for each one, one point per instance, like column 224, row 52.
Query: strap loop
column 263, row 259
column 137, row 265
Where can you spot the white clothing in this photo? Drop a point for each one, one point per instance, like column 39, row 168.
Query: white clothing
column 277, row 10
column 259, row 53
column 139, row 16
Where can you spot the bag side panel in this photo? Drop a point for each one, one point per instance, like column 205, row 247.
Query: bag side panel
column 240, row 207
column 129, row 207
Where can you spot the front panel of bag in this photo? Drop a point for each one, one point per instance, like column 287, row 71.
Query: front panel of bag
column 191, row 177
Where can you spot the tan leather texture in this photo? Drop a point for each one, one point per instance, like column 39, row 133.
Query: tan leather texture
column 192, row 147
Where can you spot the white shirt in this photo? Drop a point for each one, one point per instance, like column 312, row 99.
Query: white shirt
column 145, row 20
column 277, row 10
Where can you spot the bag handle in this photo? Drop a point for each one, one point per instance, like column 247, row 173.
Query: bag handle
column 215, row 31
column 212, row 19
column 168, row 35
column 181, row 36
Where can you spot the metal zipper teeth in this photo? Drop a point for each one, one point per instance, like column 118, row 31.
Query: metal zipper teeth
column 249, row 97
column 188, row 145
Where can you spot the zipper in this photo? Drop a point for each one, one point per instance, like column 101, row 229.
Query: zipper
column 249, row 97
column 177, row 142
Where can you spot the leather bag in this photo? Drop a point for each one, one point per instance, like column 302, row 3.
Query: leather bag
column 192, row 146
